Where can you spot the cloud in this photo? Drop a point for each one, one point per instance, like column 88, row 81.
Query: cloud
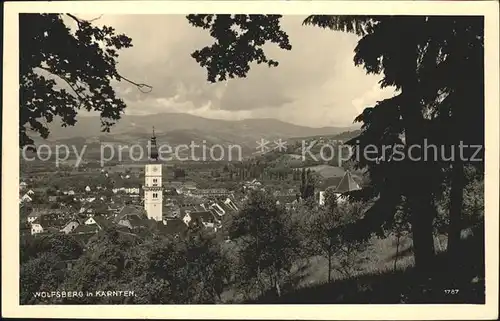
column 316, row 83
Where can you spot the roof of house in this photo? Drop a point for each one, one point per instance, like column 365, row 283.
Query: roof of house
column 122, row 228
column 130, row 211
column 102, row 222
column 347, row 184
column 218, row 206
column 136, row 222
column 84, row 229
column 70, row 221
column 53, row 229
column 48, row 220
column 35, row 213
column 327, row 171
column 232, row 204
column 330, row 182
column 211, row 191
column 204, row 216
column 172, row 226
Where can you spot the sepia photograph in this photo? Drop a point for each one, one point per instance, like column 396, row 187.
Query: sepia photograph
column 251, row 155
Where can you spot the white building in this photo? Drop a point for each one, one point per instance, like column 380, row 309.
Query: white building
column 26, row 198
column 346, row 184
column 322, row 198
column 36, row 228
column 153, row 189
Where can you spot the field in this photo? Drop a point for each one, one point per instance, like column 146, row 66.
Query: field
column 379, row 279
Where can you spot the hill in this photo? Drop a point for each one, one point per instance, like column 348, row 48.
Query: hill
column 176, row 129
column 178, row 124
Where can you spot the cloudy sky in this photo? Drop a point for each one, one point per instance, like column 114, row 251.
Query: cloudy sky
column 316, row 83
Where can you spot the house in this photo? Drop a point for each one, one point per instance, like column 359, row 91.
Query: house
column 53, row 199
column 206, row 218
column 36, row 228
column 83, row 233
column 175, row 227
column 128, row 213
column 125, row 223
column 186, row 188
column 86, row 212
column 30, row 192
column 138, row 223
column 86, row 228
column 114, row 209
column 254, row 184
column 98, row 208
column 87, row 189
column 218, row 209
column 52, row 214
column 25, row 199
column 22, row 185
column 46, row 221
column 171, row 210
column 213, row 192
column 132, row 190
column 101, row 222
column 231, row 204
column 346, row 184
column 70, row 226
column 321, row 200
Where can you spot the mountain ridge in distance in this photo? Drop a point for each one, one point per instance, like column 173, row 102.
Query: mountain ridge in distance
column 181, row 128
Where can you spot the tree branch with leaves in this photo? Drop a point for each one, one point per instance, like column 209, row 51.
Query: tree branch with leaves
column 63, row 72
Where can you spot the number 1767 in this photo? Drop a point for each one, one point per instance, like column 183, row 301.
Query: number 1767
column 451, row 291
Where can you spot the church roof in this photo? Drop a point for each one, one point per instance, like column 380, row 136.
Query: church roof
column 153, row 152
column 347, row 184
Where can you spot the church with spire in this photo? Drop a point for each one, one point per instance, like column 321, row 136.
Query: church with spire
column 153, row 189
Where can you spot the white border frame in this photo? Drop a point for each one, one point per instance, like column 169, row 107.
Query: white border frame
column 10, row 164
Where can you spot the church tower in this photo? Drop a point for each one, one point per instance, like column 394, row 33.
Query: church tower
column 153, row 190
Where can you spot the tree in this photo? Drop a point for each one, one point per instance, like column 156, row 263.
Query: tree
column 65, row 247
column 307, row 183
column 35, row 274
column 321, row 239
column 62, row 245
column 232, row 54
column 327, row 238
column 268, row 240
column 424, row 68
column 331, row 199
column 62, row 72
column 463, row 107
column 408, row 63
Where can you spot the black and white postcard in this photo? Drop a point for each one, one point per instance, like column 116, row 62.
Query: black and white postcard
column 251, row 159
